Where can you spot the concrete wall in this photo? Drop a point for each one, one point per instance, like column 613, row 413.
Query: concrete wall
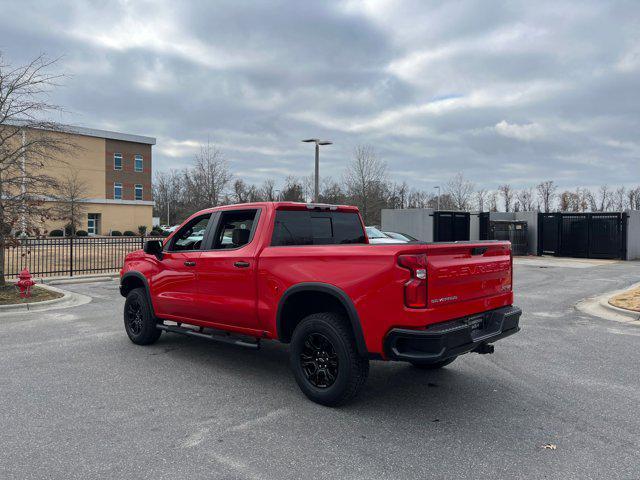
column 502, row 216
column 633, row 235
column 417, row 222
column 474, row 226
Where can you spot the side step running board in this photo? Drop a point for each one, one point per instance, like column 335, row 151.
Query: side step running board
column 216, row 336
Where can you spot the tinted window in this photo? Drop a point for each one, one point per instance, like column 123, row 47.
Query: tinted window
column 296, row 227
column 191, row 235
column 234, row 229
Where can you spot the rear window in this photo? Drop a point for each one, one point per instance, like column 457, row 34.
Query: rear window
column 296, row 227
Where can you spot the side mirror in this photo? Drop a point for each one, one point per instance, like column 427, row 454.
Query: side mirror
column 153, row 247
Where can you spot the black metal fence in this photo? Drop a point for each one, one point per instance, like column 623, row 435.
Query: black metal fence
column 516, row 231
column 450, row 226
column 586, row 235
column 68, row 256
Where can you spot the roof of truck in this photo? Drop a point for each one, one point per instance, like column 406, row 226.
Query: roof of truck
column 288, row 206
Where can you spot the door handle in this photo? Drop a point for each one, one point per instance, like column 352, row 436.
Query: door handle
column 241, row 264
column 189, row 263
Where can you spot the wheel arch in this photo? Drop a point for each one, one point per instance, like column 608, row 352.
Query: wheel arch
column 300, row 294
column 134, row 279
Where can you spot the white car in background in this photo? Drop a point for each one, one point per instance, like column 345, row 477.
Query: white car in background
column 377, row 237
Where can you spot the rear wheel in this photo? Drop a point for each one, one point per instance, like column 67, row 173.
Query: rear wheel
column 139, row 322
column 325, row 361
column 433, row 366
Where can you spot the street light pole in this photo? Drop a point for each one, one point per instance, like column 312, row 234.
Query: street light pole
column 316, row 185
column 316, row 190
column 438, row 198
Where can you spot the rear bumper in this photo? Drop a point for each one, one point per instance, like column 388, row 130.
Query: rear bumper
column 452, row 338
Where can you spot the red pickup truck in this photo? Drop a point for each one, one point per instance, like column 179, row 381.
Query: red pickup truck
column 305, row 274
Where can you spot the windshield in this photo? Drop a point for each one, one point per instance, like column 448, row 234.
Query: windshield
column 373, row 232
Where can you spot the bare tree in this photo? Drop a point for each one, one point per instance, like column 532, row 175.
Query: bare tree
column 71, row 201
column 461, row 191
column 481, row 198
column 546, row 194
column 577, row 201
column 332, row 192
column 364, row 179
column 398, row 195
column 268, row 190
column 507, row 196
column 525, row 199
column 293, row 190
column 168, row 194
column 421, row 199
column 633, row 198
column 29, row 147
column 619, row 199
column 600, row 202
column 209, row 178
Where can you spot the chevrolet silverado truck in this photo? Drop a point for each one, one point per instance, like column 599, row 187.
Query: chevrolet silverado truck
column 306, row 275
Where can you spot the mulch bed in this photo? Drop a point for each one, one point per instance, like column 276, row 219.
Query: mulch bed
column 9, row 295
column 629, row 300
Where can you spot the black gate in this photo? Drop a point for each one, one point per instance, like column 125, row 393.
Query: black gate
column 574, row 235
column 585, row 235
column 515, row 231
column 450, row 226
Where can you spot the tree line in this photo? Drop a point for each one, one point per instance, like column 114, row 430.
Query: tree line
column 366, row 184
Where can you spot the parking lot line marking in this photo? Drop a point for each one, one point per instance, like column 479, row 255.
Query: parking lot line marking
column 258, row 420
column 195, row 438
column 236, row 465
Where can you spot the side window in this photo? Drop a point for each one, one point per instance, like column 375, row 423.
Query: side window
column 137, row 163
column 298, row 227
column 234, row 229
column 117, row 161
column 292, row 228
column 190, row 236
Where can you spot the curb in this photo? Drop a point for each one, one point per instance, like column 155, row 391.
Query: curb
column 68, row 299
column 599, row 306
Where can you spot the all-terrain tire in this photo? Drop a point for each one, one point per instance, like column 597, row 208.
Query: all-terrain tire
column 337, row 356
column 139, row 322
column 433, row 366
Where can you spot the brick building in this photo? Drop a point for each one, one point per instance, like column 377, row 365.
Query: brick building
column 116, row 170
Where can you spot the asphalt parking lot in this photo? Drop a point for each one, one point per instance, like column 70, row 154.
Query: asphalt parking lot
column 79, row 400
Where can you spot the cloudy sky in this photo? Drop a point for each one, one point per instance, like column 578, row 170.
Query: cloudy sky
column 502, row 91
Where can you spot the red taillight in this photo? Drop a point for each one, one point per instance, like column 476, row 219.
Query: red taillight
column 415, row 290
column 511, row 266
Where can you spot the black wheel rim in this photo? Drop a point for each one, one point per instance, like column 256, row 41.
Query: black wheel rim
column 134, row 317
column 319, row 361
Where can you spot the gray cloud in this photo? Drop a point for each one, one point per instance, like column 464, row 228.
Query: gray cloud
column 502, row 91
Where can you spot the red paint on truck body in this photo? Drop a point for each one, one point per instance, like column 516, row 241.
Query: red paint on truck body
column 214, row 293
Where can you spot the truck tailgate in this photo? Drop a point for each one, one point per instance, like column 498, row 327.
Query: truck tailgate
column 459, row 272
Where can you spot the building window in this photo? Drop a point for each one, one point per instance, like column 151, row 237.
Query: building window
column 138, row 163
column 117, row 161
column 117, row 191
column 138, row 190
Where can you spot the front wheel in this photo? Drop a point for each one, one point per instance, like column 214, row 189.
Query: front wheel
column 139, row 322
column 325, row 361
column 433, row 366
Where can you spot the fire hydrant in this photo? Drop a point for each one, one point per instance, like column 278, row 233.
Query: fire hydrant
column 24, row 283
